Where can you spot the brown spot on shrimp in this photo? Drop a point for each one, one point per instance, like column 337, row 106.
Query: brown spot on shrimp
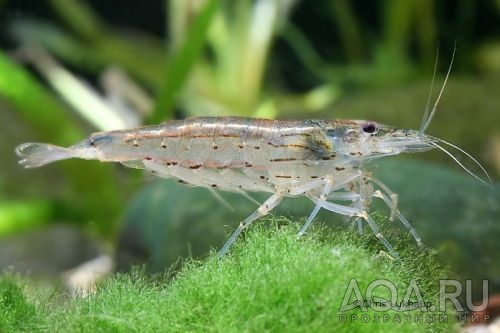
column 228, row 135
column 197, row 166
column 294, row 145
column 282, row 159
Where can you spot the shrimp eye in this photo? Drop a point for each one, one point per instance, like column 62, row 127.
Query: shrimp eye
column 98, row 139
column 369, row 128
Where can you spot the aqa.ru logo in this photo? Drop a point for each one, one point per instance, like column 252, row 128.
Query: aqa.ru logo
column 412, row 298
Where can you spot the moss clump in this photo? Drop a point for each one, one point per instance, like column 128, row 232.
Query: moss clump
column 16, row 312
column 270, row 281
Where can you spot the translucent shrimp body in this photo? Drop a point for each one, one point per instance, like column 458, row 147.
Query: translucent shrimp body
column 323, row 160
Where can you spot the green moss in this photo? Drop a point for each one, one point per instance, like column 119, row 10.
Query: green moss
column 270, row 281
column 16, row 312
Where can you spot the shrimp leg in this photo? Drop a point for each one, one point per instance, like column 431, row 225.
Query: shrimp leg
column 327, row 189
column 351, row 211
column 263, row 210
column 388, row 197
column 327, row 182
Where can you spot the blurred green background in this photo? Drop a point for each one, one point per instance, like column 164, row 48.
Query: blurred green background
column 72, row 67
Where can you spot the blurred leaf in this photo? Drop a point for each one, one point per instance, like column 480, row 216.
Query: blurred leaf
column 398, row 19
column 426, row 32
column 90, row 188
column 182, row 61
column 228, row 79
column 140, row 54
column 59, row 42
column 349, row 29
column 488, row 57
column 20, row 216
column 306, row 53
column 80, row 17
column 35, row 104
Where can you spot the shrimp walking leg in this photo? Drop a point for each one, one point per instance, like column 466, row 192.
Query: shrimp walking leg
column 378, row 234
column 387, row 196
column 352, row 211
column 346, row 196
column 263, row 210
column 328, row 186
column 326, row 189
column 363, row 201
column 359, row 223
column 393, row 197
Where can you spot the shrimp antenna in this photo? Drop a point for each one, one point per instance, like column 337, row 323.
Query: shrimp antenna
column 433, row 143
column 427, row 104
column 427, row 122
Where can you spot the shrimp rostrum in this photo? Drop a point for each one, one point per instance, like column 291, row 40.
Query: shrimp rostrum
column 323, row 160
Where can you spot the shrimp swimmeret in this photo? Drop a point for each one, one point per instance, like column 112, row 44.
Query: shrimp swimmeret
column 324, row 160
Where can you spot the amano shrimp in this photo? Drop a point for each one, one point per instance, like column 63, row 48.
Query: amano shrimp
column 323, row 160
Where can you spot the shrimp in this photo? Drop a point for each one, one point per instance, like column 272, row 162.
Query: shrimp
column 323, row 160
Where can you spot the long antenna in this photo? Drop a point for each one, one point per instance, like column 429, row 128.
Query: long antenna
column 469, row 156
column 427, row 104
column 431, row 115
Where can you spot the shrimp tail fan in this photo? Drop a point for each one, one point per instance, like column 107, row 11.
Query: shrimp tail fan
column 34, row 155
